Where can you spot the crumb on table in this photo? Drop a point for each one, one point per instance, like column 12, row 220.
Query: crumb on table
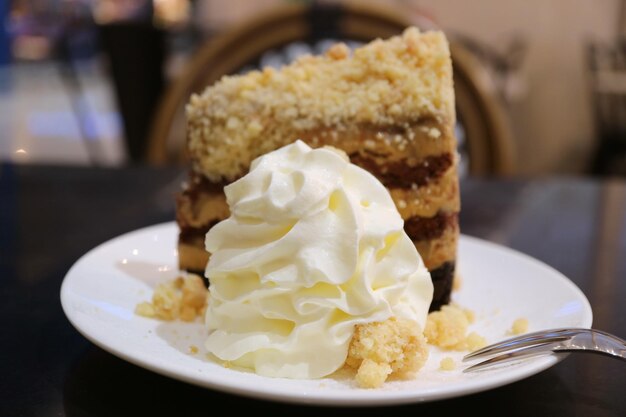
column 183, row 298
column 393, row 347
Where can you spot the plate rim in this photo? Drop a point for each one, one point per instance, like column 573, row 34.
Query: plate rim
column 328, row 398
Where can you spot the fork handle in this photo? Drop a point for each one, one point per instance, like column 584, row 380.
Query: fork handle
column 595, row 341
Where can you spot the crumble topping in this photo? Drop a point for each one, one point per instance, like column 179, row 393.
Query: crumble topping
column 384, row 83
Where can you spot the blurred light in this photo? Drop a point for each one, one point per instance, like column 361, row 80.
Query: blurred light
column 21, row 151
column 171, row 12
column 31, row 47
column 108, row 11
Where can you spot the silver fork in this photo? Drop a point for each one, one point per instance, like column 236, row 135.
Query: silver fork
column 545, row 342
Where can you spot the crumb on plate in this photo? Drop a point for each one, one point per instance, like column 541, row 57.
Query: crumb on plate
column 447, row 329
column 184, row 298
column 520, row 326
column 447, row 364
column 394, row 347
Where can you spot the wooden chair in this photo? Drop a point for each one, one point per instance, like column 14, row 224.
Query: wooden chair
column 487, row 144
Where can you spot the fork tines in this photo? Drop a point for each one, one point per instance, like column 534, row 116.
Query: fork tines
column 530, row 344
column 540, row 337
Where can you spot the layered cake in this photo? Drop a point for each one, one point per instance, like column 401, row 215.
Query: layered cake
column 388, row 105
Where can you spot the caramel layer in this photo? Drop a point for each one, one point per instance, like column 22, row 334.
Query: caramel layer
column 401, row 174
column 440, row 195
column 201, row 204
column 196, row 234
column 192, row 257
column 204, row 201
column 435, row 252
column 428, row 228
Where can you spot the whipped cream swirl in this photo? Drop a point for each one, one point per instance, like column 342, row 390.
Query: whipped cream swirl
column 314, row 246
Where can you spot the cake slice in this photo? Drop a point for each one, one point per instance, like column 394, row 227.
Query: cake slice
column 389, row 105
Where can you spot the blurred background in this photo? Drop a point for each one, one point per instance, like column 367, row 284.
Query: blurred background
column 88, row 81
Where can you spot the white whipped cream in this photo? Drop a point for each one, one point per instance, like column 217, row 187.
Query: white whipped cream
column 314, row 245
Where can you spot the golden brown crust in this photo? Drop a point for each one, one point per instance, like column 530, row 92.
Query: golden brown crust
column 390, row 83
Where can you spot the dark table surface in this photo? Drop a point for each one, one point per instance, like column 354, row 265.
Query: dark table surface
column 50, row 216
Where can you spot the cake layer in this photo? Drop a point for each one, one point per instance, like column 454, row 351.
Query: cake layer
column 200, row 204
column 439, row 195
column 429, row 228
column 435, row 252
column 192, row 256
column 443, row 280
column 203, row 202
column 402, row 174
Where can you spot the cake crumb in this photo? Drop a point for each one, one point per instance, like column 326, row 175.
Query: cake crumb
column 447, row 364
column 474, row 341
column 145, row 309
column 520, row 326
column 447, row 329
column 378, row 350
column 434, row 133
column 184, row 298
column 193, row 349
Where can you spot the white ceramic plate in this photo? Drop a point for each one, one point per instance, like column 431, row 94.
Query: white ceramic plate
column 101, row 290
